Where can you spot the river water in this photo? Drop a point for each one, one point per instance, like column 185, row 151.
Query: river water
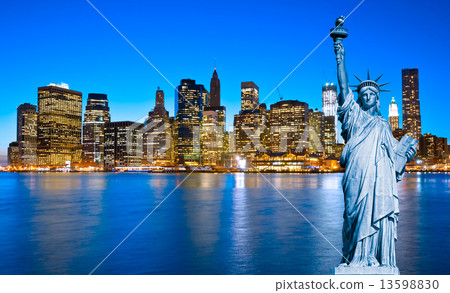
column 212, row 224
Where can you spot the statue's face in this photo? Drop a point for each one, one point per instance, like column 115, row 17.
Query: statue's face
column 368, row 96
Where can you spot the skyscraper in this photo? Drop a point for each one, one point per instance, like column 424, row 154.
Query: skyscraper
column 59, row 125
column 249, row 96
column 215, row 90
column 412, row 123
column 212, row 136
column 123, row 144
column 27, row 134
column 158, row 141
column 329, row 104
column 393, row 115
column 288, row 120
column 159, row 100
column 95, row 117
column 250, row 131
column 13, row 154
column 316, row 131
column 191, row 100
column 329, row 136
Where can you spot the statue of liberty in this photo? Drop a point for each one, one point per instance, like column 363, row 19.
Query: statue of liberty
column 374, row 161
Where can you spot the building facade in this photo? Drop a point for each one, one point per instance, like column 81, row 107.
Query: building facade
column 123, row 144
column 288, row 121
column 157, row 135
column 191, row 100
column 412, row 122
column 329, row 136
column 215, row 90
column 96, row 116
column 316, row 131
column 329, row 105
column 13, row 154
column 251, row 132
column 212, row 137
column 249, row 96
column 433, row 147
column 393, row 115
column 59, row 125
column 27, row 134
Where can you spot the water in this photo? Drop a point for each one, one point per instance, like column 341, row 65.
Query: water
column 212, row 224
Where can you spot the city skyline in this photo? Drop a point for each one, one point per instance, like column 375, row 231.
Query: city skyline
column 133, row 96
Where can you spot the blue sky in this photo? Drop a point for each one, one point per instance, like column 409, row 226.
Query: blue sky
column 260, row 41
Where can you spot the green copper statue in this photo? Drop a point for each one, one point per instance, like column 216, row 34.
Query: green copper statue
column 374, row 161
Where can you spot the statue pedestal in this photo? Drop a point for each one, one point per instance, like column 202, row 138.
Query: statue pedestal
column 347, row 270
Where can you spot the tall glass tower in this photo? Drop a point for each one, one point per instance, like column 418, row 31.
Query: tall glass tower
column 329, row 104
column 412, row 122
column 95, row 117
column 191, row 100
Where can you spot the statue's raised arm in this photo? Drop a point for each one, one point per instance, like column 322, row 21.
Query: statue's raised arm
column 338, row 34
column 344, row 86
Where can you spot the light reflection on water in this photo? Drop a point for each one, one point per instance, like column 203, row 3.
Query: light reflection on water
column 212, row 224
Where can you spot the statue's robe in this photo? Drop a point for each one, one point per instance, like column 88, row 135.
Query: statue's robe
column 369, row 185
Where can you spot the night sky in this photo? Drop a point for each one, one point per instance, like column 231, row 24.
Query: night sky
column 68, row 41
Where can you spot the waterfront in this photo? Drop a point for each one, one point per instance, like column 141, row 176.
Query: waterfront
column 236, row 223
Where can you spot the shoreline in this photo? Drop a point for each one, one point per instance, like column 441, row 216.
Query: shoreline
column 210, row 171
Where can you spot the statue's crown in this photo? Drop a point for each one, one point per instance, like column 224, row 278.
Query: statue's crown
column 369, row 82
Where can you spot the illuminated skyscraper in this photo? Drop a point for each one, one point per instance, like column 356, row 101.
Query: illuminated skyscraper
column 212, row 136
column 329, row 136
column 393, row 115
column 123, row 144
column 13, row 154
column 412, row 123
column 329, row 104
column 251, row 132
column 215, row 90
column 249, row 96
column 158, row 141
column 288, row 120
column 433, row 147
column 191, row 100
column 27, row 134
column 159, row 100
column 95, row 117
column 316, row 125
column 59, row 125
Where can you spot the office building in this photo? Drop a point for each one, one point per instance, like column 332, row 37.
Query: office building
column 329, row 136
column 329, row 105
column 249, row 96
column 157, row 135
column 59, row 125
column 412, row 123
column 95, row 117
column 288, row 120
column 123, row 144
column 213, row 136
column 316, row 123
column 13, row 154
column 27, row 134
column 215, row 90
column 191, row 100
column 251, row 132
column 393, row 115
column 433, row 147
